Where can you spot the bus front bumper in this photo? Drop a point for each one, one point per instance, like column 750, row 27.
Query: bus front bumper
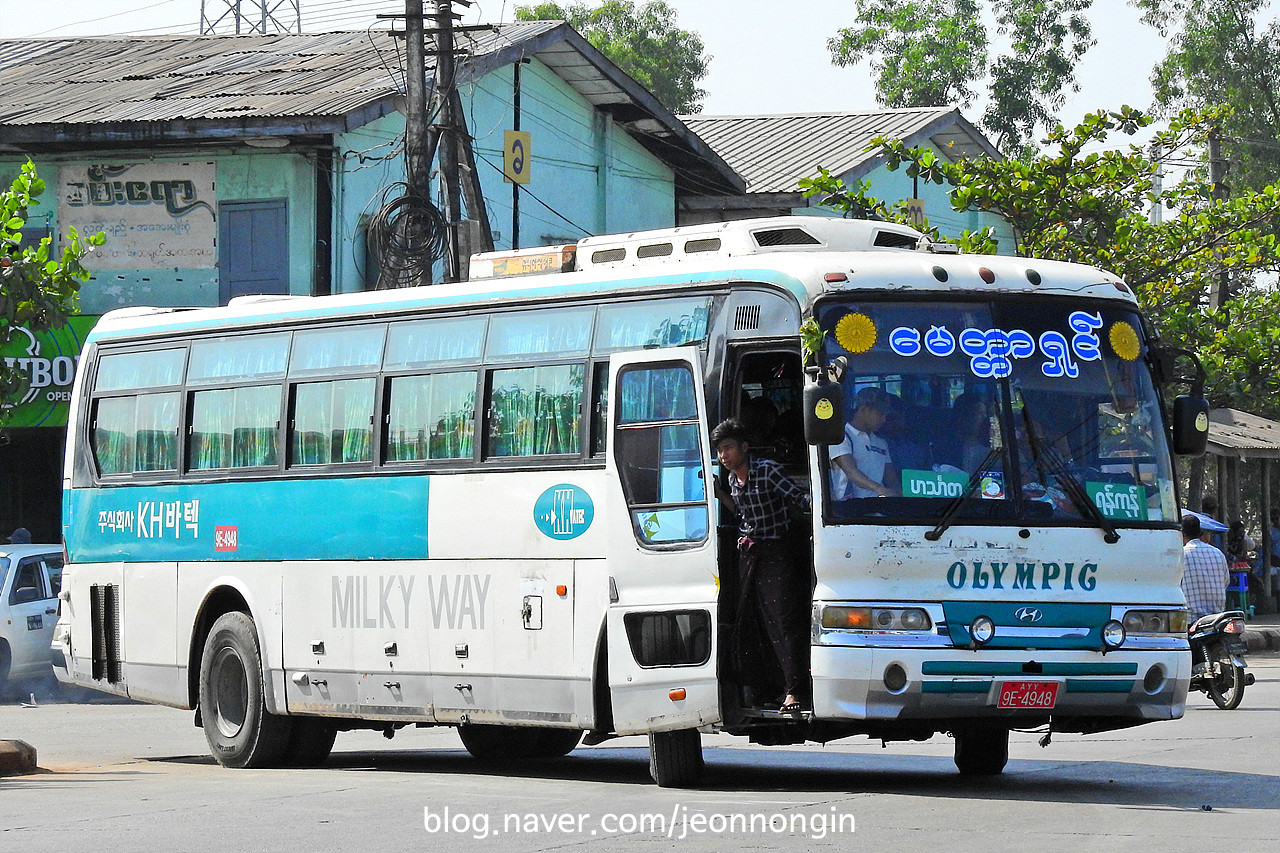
column 906, row 684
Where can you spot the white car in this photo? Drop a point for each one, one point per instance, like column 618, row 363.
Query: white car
column 30, row 579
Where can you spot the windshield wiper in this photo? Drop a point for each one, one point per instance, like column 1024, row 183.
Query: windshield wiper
column 1057, row 469
column 953, row 508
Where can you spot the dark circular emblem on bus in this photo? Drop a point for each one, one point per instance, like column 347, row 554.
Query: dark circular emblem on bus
column 1028, row 614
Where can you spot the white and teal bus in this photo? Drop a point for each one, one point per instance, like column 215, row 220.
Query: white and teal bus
column 486, row 505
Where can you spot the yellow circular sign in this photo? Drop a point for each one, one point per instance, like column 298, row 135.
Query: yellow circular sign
column 856, row 333
column 1124, row 341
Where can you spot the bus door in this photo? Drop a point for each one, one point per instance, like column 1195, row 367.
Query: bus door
column 661, row 553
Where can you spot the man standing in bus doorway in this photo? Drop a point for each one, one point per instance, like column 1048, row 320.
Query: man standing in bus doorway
column 1205, row 574
column 774, row 585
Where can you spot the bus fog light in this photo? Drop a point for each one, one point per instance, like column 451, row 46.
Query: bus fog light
column 982, row 630
column 1153, row 681
column 1113, row 635
column 895, row 678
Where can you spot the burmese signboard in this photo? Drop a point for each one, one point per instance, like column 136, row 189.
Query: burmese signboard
column 156, row 215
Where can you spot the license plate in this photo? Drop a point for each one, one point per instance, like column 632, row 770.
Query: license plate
column 1027, row 694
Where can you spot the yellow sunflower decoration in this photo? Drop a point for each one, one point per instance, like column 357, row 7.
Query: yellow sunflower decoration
column 856, row 333
column 1124, row 341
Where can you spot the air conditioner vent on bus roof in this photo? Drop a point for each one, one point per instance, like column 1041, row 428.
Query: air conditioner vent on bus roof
column 895, row 240
column 746, row 318
column 785, row 237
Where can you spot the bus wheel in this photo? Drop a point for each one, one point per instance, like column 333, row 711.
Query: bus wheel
column 675, row 758
column 515, row 744
column 310, row 741
column 237, row 726
column 981, row 751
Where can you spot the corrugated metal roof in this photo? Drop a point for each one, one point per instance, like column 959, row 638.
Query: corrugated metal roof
column 78, row 92
column 165, row 78
column 772, row 152
column 1240, row 434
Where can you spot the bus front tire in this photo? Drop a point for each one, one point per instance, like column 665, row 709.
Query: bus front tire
column 981, row 751
column 233, row 708
column 675, row 758
column 514, row 744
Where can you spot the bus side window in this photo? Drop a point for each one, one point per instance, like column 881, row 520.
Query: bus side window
column 770, row 390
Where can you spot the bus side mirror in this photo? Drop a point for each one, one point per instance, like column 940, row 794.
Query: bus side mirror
column 823, row 414
column 1190, row 425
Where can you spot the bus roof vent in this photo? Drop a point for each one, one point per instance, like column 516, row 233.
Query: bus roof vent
column 746, row 318
column 711, row 244
column 895, row 240
column 785, row 237
column 605, row 256
column 654, row 250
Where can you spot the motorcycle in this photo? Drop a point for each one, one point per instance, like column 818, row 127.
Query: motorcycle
column 1217, row 658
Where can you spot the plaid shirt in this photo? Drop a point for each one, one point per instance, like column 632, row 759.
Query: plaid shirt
column 1204, row 578
column 762, row 500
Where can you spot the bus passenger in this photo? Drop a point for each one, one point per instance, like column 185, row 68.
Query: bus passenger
column 860, row 465
column 774, row 585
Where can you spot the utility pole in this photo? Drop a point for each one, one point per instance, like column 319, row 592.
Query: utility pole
column 241, row 17
column 409, row 233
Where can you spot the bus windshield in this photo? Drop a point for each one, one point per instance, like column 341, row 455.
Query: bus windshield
column 1013, row 411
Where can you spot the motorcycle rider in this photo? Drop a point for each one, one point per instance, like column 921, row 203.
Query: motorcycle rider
column 1205, row 575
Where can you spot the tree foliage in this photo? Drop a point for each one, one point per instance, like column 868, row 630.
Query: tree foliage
column 934, row 54
column 1219, row 54
column 38, row 288
column 643, row 41
column 1080, row 204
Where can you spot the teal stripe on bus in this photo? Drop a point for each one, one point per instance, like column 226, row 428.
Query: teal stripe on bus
column 311, row 518
column 955, row 687
column 298, row 311
column 1015, row 668
column 1089, row 685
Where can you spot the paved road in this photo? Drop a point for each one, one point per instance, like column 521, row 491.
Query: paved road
column 132, row 777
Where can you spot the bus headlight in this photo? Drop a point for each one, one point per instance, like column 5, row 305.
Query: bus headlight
column 1113, row 634
column 876, row 618
column 1148, row 622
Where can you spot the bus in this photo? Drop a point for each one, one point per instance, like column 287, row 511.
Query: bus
column 486, row 505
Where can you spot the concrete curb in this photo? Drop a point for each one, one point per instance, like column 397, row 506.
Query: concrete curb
column 17, row 758
column 1262, row 639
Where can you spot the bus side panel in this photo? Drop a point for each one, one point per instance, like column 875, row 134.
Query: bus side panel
column 322, row 603
column 150, row 627
column 258, row 584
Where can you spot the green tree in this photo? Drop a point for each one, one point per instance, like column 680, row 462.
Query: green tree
column 643, row 41
column 38, row 288
column 923, row 55
column 937, row 53
column 1219, row 54
column 1080, row 204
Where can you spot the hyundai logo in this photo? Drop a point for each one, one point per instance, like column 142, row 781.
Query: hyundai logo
column 1028, row 614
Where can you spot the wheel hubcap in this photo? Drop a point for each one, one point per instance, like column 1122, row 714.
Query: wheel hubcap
column 230, row 693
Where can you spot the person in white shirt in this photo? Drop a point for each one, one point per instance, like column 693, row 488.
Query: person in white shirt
column 860, row 465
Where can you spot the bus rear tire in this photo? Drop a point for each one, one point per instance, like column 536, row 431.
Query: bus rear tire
column 675, row 758
column 233, row 708
column 981, row 750
column 516, row 744
column 310, row 741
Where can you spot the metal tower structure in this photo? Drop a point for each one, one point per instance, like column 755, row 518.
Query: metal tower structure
column 246, row 17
